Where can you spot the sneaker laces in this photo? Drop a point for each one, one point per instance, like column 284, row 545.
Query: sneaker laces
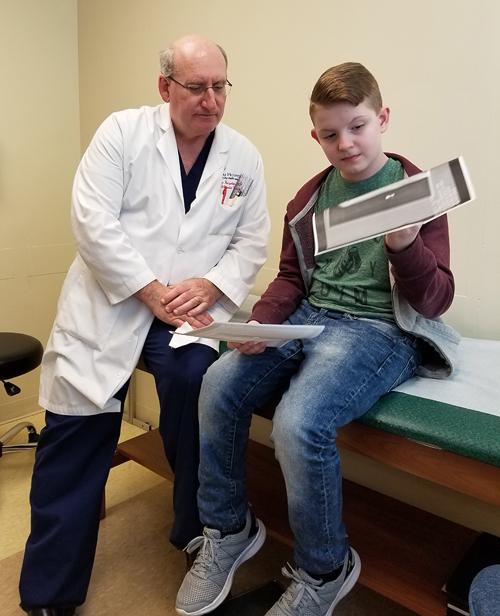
column 294, row 595
column 206, row 556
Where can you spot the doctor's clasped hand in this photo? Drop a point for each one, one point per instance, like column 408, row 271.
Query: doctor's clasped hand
column 192, row 298
column 154, row 294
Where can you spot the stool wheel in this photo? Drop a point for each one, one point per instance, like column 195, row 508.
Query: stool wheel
column 33, row 436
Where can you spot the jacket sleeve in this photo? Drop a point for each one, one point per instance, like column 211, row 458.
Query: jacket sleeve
column 287, row 290
column 95, row 215
column 422, row 272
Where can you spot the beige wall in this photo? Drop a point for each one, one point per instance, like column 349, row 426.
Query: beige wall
column 39, row 151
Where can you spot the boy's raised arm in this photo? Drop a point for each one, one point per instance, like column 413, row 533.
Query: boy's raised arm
column 422, row 271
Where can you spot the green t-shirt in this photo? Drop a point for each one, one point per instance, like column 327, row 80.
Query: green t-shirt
column 355, row 278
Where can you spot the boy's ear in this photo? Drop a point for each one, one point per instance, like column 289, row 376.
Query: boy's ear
column 314, row 134
column 383, row 117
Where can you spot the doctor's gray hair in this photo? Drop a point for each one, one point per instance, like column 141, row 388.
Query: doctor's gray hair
column 167, row 60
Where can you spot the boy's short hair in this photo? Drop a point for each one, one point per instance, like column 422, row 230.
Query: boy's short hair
column 350, row 82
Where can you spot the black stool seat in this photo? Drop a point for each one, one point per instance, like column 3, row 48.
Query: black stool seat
column 19, row 354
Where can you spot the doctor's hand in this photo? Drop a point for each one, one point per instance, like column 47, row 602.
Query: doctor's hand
column 152, row 295
column 248, row 348
column 190, row 298
column 397, row 241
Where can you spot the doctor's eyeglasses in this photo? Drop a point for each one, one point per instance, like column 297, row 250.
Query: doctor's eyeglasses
column 221, row 89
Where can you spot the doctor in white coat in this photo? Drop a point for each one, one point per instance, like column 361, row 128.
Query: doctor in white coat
column 171, row 226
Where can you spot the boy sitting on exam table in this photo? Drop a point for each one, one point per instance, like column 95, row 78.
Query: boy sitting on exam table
column 380, row 302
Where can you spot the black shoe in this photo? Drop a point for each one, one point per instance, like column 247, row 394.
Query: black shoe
column 52, row 611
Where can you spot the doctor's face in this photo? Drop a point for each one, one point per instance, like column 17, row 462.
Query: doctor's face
column 195, row 114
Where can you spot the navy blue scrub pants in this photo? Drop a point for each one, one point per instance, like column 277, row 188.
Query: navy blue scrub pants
column 72, row 464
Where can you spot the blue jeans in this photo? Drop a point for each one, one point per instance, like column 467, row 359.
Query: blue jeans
column 484, row 595
column 331, row 380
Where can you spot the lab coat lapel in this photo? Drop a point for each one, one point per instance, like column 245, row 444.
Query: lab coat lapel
column 218, row 153
column 167, row 146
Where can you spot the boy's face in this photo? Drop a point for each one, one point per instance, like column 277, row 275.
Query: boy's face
column 351, row 138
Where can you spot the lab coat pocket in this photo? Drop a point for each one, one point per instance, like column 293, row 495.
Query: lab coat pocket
column 86, row 312
column 226, row 217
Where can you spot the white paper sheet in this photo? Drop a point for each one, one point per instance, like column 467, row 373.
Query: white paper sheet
column 272, row 335
column 474, row 385
column 417, row 199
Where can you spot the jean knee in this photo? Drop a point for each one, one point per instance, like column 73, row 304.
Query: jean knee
column 286, row 433
column 210, row 387
column 217, row 392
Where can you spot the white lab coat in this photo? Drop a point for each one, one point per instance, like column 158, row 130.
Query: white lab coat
column 131, row 228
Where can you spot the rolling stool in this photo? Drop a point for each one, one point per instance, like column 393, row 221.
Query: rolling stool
column 19, row 354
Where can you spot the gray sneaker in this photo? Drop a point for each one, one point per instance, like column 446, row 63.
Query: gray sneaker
column 209, row 580
column 309, row 597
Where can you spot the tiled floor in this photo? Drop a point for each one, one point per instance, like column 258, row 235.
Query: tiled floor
column 136, row 570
